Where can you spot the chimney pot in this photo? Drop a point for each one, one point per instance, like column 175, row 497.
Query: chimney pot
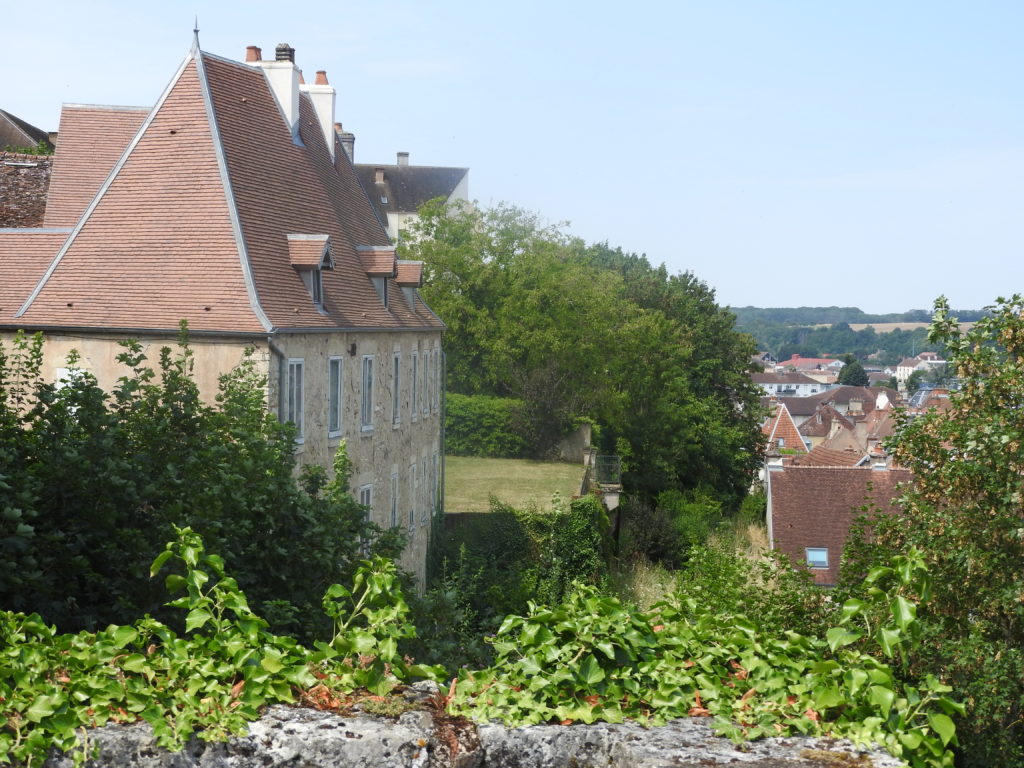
column 302, row 80
column 253, row 53
column 403, row 158
column 348, row 142
column 285, row 52
column 321, row 77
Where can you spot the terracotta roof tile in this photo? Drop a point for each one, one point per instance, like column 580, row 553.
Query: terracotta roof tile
column 24, row 255
column 820, row 456
column 308, row 250
column 379, row 263
column 195, row 221
column 815, row 506
column 92, row 139
column 410, row 273
column 782, row 432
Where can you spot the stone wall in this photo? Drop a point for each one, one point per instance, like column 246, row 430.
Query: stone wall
column 24, row 180
column 287, row 736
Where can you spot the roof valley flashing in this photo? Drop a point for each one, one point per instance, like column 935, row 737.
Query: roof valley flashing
column 193, row 219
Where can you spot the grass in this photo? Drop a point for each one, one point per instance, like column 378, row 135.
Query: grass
column 470, row 482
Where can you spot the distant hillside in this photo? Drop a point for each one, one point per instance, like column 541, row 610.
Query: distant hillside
column 812, row 316
column 835, row 331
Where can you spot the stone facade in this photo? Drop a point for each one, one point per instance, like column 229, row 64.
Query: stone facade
column 24, row 180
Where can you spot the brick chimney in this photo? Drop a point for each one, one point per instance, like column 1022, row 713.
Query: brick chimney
column 347, row 141
column 253, row 53
column 323, row 97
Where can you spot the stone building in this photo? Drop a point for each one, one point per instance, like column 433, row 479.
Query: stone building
column 232, row 205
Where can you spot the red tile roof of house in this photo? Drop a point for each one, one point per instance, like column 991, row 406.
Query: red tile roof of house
column 814, row 507
column 92, row 139
column 820, row 456
column 820, row 423
column 379, row 262
column 782, row 432
column 193, row 222
column 786, row 377
column 410, row 273
column 308, row 250
column 24, row 255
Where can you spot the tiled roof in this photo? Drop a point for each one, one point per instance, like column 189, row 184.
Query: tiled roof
column 23, row 183
column 406, row 187
column 811, row 363
column 410, row 273
column 91, row 141
column 820, row 456
column 16, row 133
column 814, row 506
column 379, row 262
column 782, row 432
column 308, row 250
column 24, row 255
column 782, row 378
column 194, row 222
column 820, row 423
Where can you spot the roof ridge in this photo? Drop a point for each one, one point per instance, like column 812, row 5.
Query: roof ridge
column 229, row 194
column 118, row 107
column 103, row 188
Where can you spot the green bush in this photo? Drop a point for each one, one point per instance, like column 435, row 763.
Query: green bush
column 478, row 425
column 490, row 565
column 93, row 484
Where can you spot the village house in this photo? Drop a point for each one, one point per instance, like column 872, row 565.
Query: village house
column 232, row 205
column 786, row 384
column 812, row 506
column 397, row 191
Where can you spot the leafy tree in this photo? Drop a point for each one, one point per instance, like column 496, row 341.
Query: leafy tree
column 914, row 380
column 574, row 330
column 964, row 514
column 853, row 374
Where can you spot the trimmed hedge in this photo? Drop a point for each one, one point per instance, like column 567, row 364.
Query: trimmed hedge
column 483, row 426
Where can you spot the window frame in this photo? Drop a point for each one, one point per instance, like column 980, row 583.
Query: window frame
column 817, row 564
column 394, row 499
column 366, row 401
column 294, row 399
column 335, row 396
column 396, row 387
column 412, row 496
column 414, row 401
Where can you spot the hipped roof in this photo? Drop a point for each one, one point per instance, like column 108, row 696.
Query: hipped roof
column 192, row 221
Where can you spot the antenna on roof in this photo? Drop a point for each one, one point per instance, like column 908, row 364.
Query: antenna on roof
column 195, row 35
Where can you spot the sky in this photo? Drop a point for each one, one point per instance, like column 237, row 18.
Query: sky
column 787, row 153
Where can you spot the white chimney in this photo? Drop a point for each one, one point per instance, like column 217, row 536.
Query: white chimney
column 283, row 77
column 403, row 158
column 322, row 95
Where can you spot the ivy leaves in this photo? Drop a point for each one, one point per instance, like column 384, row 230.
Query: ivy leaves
column 213, row 681
column 593, row 658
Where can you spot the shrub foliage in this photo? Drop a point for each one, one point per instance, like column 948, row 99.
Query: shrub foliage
column 92, row 484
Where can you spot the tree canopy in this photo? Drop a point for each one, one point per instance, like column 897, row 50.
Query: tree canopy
column 964, row 513
column 853, row 374
column 573, row 331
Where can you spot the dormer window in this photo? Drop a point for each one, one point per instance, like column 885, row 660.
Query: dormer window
column 380, row 265
column 310, row 255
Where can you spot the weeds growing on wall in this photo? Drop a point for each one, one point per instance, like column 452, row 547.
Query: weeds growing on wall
column 210, row 681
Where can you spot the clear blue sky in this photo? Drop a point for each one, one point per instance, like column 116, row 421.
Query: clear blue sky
column 788, row 153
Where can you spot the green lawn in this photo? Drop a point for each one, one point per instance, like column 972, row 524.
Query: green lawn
column 470, row 482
